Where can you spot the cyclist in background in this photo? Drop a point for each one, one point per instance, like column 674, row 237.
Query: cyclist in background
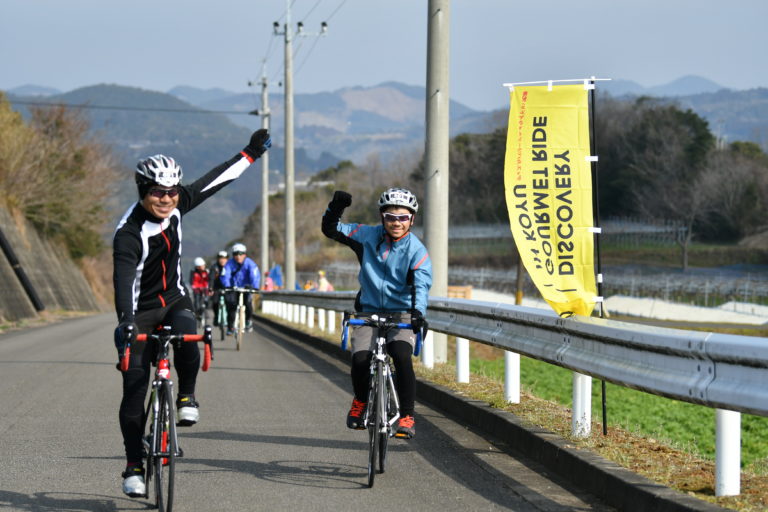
column 395, row 277
column 199, row 279
column 240, row 271
column 150, row 291
column 215, row 283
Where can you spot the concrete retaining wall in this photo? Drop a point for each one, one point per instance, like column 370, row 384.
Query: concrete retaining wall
column 59, row 283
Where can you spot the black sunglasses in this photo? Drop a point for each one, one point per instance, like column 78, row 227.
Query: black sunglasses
column 237, row 253
column 161, row 192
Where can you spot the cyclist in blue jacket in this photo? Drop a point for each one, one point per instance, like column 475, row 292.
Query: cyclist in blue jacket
column 240, row 271
column 395, row 277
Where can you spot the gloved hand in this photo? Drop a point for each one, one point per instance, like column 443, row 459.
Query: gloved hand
column 418, row 322
column 260, row 142
column 124, row 333
column 340, row 201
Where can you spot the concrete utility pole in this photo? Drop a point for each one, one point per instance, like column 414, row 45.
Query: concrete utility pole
column 437, row 140
column 290, row 210
column 264, row 176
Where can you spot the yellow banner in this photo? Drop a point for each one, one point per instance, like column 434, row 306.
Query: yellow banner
column 548, row 184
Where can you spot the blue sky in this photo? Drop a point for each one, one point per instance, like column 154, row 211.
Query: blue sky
column 158, row 44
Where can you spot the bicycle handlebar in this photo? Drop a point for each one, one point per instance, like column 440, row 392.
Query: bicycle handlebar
column 241, row 289
column 207, row 338
column 378, row 322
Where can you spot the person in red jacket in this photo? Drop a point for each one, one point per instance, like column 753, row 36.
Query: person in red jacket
column 199, row 280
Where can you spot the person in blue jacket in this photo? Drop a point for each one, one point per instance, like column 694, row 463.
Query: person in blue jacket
column 242, row 272
column 395, row 277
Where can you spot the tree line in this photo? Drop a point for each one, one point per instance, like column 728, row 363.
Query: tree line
column 57, row 175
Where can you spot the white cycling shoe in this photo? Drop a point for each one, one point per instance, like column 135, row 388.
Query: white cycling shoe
column 133, row 483
column 188, row 411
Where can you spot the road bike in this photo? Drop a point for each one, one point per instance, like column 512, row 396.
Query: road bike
column 161, row 443
column 240, row 320
column 383, row 408
column 200, row 304
column 221, row 316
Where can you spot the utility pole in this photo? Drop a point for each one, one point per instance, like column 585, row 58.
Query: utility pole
column 290, row 210
column 265, row 115
column 436, row 169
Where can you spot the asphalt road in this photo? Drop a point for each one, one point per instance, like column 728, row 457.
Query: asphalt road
column 271, row 437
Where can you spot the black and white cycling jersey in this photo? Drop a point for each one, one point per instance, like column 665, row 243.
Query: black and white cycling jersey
column 147, row 250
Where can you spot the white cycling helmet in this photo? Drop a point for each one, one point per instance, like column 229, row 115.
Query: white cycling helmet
column 222, row 254
column 159, row 169
column 238, row 248
column 398, row 197
column 199, row 262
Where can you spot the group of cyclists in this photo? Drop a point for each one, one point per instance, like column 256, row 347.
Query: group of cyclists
column 395, row 277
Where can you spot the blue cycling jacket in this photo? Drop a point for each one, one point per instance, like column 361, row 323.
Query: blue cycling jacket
column 246, row 274
column 395, row 275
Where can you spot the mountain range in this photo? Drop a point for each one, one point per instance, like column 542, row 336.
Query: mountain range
column 202, row 127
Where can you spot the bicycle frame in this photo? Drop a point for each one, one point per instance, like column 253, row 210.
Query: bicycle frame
column 240, row 319
column 162, row 443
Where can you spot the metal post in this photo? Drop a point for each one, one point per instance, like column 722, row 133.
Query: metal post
column 511, row 377
column 581, row 421
column 311, row 317
column 302, row 314
column 462, row 360
column 428, row 350
column 437, row 144
column 727, row 453
column 331, row 321
column 321, row 319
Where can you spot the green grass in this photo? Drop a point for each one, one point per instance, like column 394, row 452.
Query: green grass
column 687, row 426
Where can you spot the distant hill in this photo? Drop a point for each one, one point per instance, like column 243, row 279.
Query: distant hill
column 138, row 123
column 684, row 86
column 33, row 90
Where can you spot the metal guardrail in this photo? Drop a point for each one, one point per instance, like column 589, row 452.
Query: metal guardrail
column 715, row 370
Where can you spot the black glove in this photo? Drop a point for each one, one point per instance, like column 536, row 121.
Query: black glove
column 340, row 201
column 260, row 142
column 124, row 333
column 418, row 322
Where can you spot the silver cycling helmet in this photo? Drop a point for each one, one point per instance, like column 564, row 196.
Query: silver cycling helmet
column 398, row 197
column 222, row 254
column 199, row 262
column 238, row 248
column 158, row 170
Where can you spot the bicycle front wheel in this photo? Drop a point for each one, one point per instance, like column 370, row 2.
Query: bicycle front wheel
column 164, row 449
column 374, row 419
column 240, row 328
column 383, row 427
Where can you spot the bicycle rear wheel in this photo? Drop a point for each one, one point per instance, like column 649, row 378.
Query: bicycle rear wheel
column 164, row 449
column 383, row 406
column 374, row 419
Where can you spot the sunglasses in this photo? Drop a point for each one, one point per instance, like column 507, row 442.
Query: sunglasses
column 391, row 217
column 237, row 253
column 161, row 192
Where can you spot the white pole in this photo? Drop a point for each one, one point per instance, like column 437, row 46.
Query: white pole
column 321, row 319
column 331, row 321
column 462, row 360
column 727, row 453
column 302, row 314
column 581, row 421
column 311, row 317
column 511, row 377
column 295, row 313
column 428, row 351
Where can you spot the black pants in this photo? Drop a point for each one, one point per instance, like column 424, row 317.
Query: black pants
column 136, row 379
column 231, row 299
column 405, row 379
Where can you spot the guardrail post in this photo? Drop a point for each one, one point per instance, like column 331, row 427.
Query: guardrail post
column 428, row 351
column 331, row 321
column 311, row 317
column 727, row 452
column 581, row 421
column 302, row 314
column 284, row 310
column 462, row 360
column 295, row 313
column 321, row 319
column 511, row 377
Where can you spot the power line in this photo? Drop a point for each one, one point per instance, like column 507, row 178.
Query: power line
column 312, row 9
column 337, row 10
column 126, row 108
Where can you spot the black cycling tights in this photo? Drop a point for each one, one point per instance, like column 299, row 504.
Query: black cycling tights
column 136, row 380
column 405, row 380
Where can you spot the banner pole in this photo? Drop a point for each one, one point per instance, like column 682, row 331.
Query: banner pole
column 596, row 215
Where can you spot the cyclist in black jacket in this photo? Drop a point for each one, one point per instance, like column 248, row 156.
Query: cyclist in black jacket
column 149, row 288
